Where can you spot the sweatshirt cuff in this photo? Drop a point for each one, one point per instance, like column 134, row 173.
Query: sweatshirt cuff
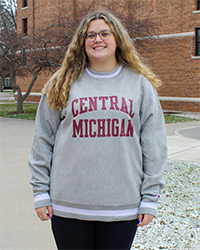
column 148, row 208
column 42, row 200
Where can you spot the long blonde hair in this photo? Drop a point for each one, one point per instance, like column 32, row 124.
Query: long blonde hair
column 76, row 60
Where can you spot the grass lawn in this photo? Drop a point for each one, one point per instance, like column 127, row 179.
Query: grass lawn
column 9, row 110
column 174, row 118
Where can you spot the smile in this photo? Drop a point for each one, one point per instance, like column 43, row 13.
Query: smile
column 99, row 48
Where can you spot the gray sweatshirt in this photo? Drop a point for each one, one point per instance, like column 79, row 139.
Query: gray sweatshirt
column 103, row 156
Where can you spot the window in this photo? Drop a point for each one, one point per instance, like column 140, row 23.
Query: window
column 25, row 3
column 197, row 50
column 7, row 83
column 25, row 26
column 198, row 4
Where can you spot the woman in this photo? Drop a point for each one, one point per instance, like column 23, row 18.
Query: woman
column 99, row 146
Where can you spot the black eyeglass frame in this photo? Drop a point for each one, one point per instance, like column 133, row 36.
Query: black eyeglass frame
column 98, row 33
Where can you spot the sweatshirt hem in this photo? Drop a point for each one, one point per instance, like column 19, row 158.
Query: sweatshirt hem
column 95, row 212
column 95, row 215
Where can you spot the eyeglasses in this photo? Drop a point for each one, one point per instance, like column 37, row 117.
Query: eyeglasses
column 104, row 34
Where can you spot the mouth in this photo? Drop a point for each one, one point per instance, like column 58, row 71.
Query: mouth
column 99, row 47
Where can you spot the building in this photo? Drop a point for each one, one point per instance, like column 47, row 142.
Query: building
column 172, row 51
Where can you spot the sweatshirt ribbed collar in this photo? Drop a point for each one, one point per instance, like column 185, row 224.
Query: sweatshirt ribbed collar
column 109, row 74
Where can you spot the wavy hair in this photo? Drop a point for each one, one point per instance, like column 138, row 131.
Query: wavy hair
column 76, row 60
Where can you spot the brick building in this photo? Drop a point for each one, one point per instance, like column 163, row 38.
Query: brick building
column 172, row 51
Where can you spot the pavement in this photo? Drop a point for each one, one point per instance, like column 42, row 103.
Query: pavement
column 183, row 141
column 20, row 228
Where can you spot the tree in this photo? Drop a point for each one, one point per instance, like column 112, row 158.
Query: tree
column 8, row 25
column 39, row 53
column 30, row 56
column 8, row 16
column 20, row 57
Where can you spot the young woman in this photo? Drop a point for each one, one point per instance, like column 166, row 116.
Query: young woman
column 99, row 146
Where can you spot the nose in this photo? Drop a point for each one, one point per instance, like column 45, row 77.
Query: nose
column 98, row 38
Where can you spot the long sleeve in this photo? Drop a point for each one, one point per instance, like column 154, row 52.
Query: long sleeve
column 40, row 158
column 154, row 150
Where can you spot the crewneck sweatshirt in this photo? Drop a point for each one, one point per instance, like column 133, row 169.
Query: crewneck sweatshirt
column 101, row 157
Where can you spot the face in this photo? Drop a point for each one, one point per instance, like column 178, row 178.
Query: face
column 99, row 51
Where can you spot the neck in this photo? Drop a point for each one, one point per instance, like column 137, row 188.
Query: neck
column 103, row 66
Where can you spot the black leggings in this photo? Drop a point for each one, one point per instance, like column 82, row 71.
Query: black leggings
column 79, row 234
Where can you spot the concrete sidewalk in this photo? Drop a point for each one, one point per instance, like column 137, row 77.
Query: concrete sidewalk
column 183, row 141
column 20, row 229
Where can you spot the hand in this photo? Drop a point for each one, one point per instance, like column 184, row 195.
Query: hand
column 145, row 219
column 44, row 213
